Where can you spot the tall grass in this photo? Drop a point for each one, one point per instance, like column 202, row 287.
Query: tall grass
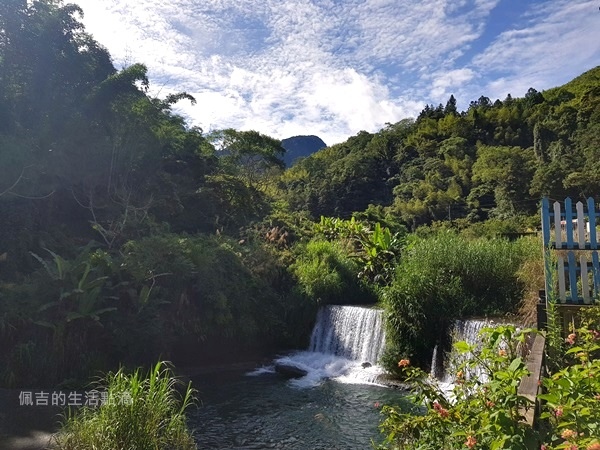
column 142, row 413
column 327, row 274
column 531, row 275
column 446, row 277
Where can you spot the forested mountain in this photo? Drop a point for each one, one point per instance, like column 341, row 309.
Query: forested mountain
column 125, row 234
column 493, row 160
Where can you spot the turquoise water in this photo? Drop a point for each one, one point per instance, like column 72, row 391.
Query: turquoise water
column 267, row 411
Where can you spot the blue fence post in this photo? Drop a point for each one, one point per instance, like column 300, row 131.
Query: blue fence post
column 594, row 246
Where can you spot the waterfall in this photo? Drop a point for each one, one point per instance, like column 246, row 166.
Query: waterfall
column 353, row 332
column 463, row 330
column 343, row 339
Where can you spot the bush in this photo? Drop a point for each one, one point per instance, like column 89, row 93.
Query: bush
column 326, row 274
column 571, row 396
column 227, row 295
column 141, row 413
column 482, row 414
column 443, row 278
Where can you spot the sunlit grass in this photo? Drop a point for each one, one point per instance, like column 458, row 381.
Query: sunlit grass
column 142, row 413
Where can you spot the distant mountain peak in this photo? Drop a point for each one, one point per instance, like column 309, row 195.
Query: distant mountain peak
column 300, row 147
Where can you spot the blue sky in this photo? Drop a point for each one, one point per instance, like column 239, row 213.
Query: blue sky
column 336, row 67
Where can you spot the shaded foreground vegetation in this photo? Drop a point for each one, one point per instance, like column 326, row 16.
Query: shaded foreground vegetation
column 488, row 412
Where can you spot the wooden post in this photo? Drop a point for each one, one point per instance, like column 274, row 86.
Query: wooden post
column 529, row 384
column 542, row 311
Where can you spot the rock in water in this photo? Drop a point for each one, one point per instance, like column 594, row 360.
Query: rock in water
column 290, row 371
column 366, row 364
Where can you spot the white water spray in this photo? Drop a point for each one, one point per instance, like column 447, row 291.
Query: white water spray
column 467, row 331
column 352, row 332
column 344, row 338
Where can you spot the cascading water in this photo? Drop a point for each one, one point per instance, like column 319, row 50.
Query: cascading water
column 350, row 331
column 344, row 338
column 464, row 330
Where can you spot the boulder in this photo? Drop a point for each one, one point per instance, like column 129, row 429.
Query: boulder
column 290, row 371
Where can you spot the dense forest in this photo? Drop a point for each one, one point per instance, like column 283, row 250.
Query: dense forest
column 494, row 160
column 125, row 234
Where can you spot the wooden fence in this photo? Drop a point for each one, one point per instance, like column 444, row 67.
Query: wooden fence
column 571, row 257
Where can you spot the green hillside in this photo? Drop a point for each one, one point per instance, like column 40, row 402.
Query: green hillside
column 496, row 159
column 126, row 234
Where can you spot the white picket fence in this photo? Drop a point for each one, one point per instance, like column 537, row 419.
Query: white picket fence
column 572, row 235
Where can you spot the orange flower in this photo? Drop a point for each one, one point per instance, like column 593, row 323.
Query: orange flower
column 471, row 442
column 571, row 338
column 404, row 363
column 593, row 446
column 502, row 352
column 568, row 434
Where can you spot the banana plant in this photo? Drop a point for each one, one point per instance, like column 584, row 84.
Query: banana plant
column 81, row 292
column 381, row 250
column 377, row 248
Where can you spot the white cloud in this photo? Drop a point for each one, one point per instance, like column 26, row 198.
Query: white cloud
column 325, row 67
column 560, row 40
column 452, row 79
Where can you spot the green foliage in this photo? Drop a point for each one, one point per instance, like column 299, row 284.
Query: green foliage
column 62, row 315
column 590, row 316
column 495, row 159
column 248, row 154
column 80, row 290
column 195, row 273
column 484, row 411
column 376, row 248
column 555, row 344
column 344, row 178
column 445, row 277
column 327, row 274
column 507, row 171
column 571, row 394
column 142, row 412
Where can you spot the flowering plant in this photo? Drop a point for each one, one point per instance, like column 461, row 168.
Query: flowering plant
column 572, row 395
column 484, row 410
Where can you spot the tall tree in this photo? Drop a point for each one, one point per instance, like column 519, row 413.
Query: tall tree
column 450, row 107
column 249, row 153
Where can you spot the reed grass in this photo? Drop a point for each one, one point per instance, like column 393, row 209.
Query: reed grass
column 446, row 277
column 141, row 413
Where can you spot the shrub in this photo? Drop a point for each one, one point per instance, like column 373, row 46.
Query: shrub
column 141, row 413
column 443, row 278
column 327, row 274
column 572, row 395
column 482, row 414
